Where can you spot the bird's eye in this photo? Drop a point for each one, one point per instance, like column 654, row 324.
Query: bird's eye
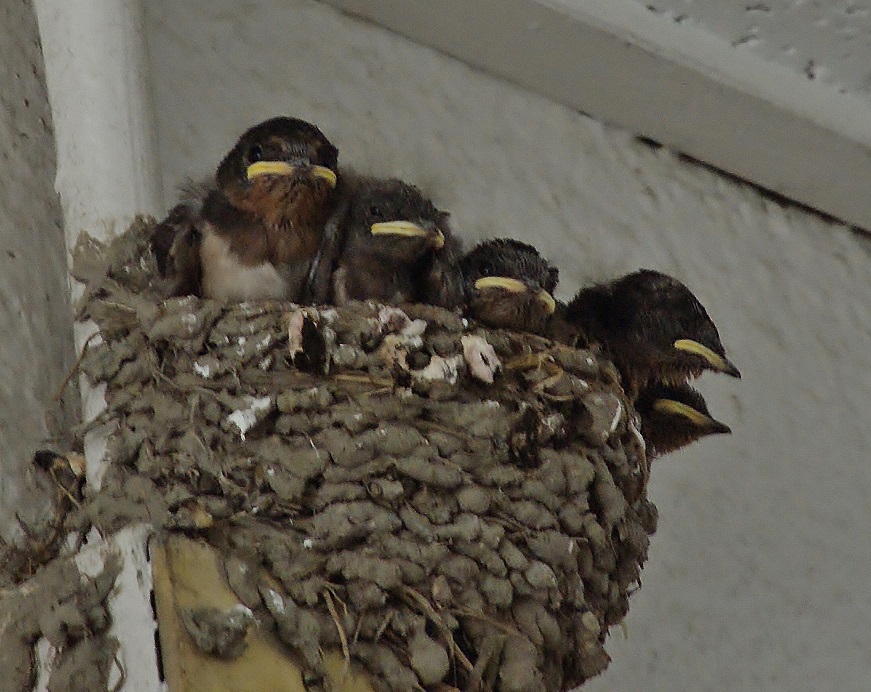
column 487, row 269
column 255, row 153
column 376, row 212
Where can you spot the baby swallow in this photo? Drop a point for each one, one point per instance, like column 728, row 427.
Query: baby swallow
column 254, row 231
column 651, row 326
column 673, row 416
column 395, row 246
column 509, row 285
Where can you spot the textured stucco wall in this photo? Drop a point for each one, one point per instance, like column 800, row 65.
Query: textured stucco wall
column 826, row 41
column 35, row 317
column 757, row 576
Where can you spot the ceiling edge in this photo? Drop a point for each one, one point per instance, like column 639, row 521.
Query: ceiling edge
column 675, row 84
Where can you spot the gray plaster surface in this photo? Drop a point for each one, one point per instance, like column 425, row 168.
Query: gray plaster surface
column 35, row 316
column 757, row 576
column 825, row 41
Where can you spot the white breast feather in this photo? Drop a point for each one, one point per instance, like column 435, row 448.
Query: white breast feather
column 225, row 278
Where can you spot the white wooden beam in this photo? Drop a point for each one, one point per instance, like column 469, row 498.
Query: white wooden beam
column 675, row 84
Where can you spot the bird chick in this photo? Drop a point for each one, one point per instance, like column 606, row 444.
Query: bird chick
column 254, row 230
column 651, row 326
column 508, row 285
column 395, row 246
column 673, row 416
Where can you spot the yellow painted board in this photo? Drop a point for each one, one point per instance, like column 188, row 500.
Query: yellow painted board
column 187, row 574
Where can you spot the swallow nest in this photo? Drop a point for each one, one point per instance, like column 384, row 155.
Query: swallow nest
column 445, row 504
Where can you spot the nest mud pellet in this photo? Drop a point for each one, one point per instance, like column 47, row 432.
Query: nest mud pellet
column 445, row 503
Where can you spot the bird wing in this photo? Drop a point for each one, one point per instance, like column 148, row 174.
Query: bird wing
column 443, row 284
column 176, row 240
column 176, row 247
column 318, row 285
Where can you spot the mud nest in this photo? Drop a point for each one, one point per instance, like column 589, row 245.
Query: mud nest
column 445, row 503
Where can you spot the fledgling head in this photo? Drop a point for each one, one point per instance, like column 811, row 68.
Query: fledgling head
column 509, row 285
column 395, row 243
column 392, row 219
column 652, row 326
column 270, row 159
column 673, row 416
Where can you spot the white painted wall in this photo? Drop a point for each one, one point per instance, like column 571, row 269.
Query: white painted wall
column 35, row 331
column 757, row 577
column 668, row 78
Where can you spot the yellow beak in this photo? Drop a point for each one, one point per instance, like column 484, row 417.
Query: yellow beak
column 547, row 299
column 283, row 168
column 718, row 363
column 407, row 229
column 269, row 168
column 515, row 286
column 697, row 418
column 325, row 173
column 504, row 282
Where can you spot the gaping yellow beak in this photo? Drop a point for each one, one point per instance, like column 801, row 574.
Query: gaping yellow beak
column 283, row 168
column 516, row 286
column 717, row 363
column 697, row 418
column 407, row 229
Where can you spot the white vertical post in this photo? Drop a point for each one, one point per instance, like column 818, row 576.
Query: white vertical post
column 96, row 67
column 97, row 76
